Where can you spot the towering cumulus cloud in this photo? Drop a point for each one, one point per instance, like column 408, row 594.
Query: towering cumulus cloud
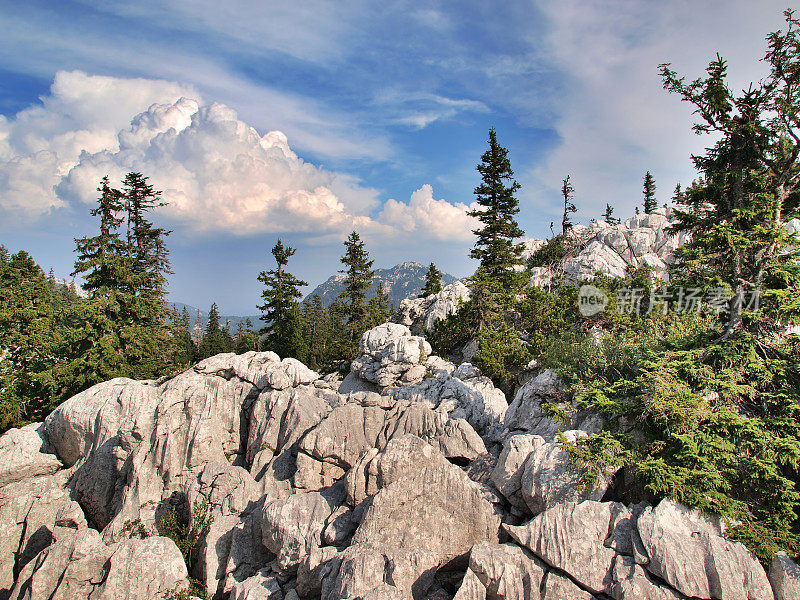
column 216, row 171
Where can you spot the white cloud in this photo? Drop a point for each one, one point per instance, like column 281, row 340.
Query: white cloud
column 615, row 121
column 428, row 217
column 216, row 172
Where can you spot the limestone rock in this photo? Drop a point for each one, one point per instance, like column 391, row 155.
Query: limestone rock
column 571, row 537
column 261, row 586
column 291, row 527
column 784, row 575
column 421, row 314
column 387, row 353
column 687, row 551
column 507, row 474
column 33, row 514
column 559, row 587
column 526, row 413
column 25, row 453
column 548, row 478
column 436, row 497
column 506, row 571
column 632, row 582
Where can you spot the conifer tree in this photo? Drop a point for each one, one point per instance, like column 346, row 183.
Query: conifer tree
column 497, row 247
column 567, row 193
column 214, row 341
column 378, row 308
column 185, row 350
column 281, row 314
column 678, row 196
column 357, row 279
column 246, row 337
column 608, row 215
column 433, row 282
column 649, row 192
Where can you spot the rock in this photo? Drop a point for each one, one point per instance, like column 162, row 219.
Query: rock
column 387, row 353
column 548, row 478
column 687, row 551
column 526, row 413
column 352, row 383
column 24, row 453
column 505, row 571
column 293, row 526
column 784, row 576
column 559, row 587
column 81, row 566
column 507, row 474
column 140, row 569
column 421, row 314
column 571, row 537
column 632, row 582
column 436, row 496
column 261, row 586
column 33, row 514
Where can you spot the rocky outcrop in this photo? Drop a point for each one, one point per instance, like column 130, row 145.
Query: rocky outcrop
column 642, row 240
column 404, row 490
column 421, row 314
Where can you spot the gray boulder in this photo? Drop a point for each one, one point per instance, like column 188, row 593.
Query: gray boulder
column 25, row 453
column 784, row 576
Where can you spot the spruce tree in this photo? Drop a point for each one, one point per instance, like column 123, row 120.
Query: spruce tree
column 678, row 195
column 567, row 194
column 379, row 308
column 246, row 337
column 357, row 279
column 649, row 193
column 497, row 247
column 433, row 282
column 608, row 215
column 281, row 313
column 214, row 341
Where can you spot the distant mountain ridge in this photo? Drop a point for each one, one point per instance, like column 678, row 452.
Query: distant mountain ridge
column 399, row 282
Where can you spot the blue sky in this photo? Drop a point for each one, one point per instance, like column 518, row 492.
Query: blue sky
column 384, row 113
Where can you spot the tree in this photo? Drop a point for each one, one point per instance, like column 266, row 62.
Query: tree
column 649, row 192
column 246, row 337
column 358, row 275
column 739, row 242
column 281, row 314
column 433, row 282
column 607, row 216
column 497, row 247
column 30, row 342
column 379, row 308
column 185, row 350
column 214, row 341
column 567, row 193
column 678, row 196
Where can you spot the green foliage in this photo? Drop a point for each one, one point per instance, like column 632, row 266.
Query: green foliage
column 567, row 193
column 649, row 193
column 214, row 339
column 283, row 328
column 608, row 215
column 501, row 354
column 551, row 253
column 186, row 532
column 135, row 529
column 433, row 282
column 357, row 279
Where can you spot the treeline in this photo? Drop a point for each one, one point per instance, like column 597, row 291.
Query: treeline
column 55, row 343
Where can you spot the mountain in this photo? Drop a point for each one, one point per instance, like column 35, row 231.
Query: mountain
column 399, row 282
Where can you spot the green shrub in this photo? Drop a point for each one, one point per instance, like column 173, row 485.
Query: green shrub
column 187, row 534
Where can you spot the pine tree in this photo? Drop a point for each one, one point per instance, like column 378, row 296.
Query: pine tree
column 497, row 247
column 357, row 279
column 185, row 350
column 678, row 196
column 608, row 216
column 246, row 337
column 567, row 193
column 649, row 192
column 738, row 239
column 214, row 341
column 433, row 282
column 281, row 313
column 378, row 308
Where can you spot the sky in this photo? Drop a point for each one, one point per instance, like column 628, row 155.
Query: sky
column 261, row 120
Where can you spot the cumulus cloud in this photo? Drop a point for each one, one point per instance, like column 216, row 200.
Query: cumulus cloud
column 429, row 217
column 216, row 172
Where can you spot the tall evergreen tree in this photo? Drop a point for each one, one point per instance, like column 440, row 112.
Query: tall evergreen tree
column 357, row 279
column 214, row 340
column 281, row 314
column 678, row 195
column 608, row 215
column 246, row 337
column 649, row 193
column 185, row 351
column 567, row 194
column 497, row 248
column 433, row 282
